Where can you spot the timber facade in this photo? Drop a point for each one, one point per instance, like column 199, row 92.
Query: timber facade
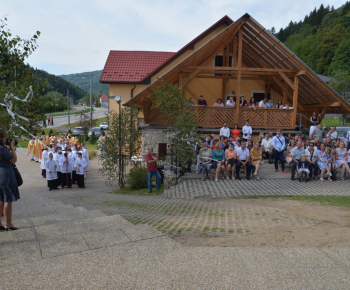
column 234, row 59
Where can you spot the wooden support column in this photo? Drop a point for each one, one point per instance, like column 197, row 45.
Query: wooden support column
column 234, row 57
column 285, row 88
column 180, row 80
column 295, row 99
column 223, row 81
column 239, row 75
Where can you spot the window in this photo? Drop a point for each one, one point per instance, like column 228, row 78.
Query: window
column 219, row 59
column 259, row 95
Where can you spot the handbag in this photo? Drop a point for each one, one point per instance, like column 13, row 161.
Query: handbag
column 18, row 175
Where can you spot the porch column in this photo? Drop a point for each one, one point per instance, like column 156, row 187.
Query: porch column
column 295, row 100
column 239, row 75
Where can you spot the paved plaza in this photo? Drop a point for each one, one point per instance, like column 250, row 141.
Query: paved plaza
column 95, row 238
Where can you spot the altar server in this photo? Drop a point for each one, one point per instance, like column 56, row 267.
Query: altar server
column 51, row 172
column 80, row 169
column 66, row 170
column 85, row 156
column 45, row 157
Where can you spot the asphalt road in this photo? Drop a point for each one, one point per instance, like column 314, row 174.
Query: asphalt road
column 62, row 120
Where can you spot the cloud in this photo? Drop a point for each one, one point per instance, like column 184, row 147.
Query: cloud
column 78, row 35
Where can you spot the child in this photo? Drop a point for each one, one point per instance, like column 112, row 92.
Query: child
column 329, row 133
column 328, row 162
column 303, row 167
column 51, row 173
column 80, row 169
column 66, row 170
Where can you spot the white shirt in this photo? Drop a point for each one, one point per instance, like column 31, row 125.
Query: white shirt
column 348, row 135
column 66, row 168
column 225, row 131
column 348, row 157
column 247, row 130
column 44, row 158
column 242, row 154
column 308, row 154
column 278, row 142
column 228, row 103
column 80, row 166
column 267, row 144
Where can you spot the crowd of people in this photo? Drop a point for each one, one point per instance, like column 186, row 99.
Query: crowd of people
column 321, row 154
column 63, row 161
column 230, row 103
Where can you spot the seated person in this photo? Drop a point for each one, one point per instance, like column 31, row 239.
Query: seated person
column 202, row 102
column 311, row 157
column 303, row 167
column 230, row 102
column 205, row 160
column 219, row 103
column 219, row 160
column 230, row 157
column 256, row 157
column 341, row 159
column 243, row 159
column 266, row 146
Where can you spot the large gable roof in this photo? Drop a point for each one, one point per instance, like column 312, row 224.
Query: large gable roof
column 260, row 49
column 139, row 66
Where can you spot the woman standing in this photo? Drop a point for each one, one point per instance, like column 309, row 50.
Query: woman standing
column 279, row 105
column 8, row 183
column 341, row 159
column 314, row 121
column 219, row 160
column 191, row 102
column 219, row 103
column 230, row 157
column 235, row 132
column 252, row 103
column 256, row 157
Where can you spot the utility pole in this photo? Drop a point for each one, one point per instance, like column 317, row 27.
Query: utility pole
column 55, row 102
column 68, row 109
column 91, row 101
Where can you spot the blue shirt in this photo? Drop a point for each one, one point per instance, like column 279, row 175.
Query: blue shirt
column 278, row 143
column 262, row 104
column 218, row 155
column 5, row 157
column 269, row 105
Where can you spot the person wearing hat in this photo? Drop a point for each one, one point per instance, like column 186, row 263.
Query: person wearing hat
column 151, row 159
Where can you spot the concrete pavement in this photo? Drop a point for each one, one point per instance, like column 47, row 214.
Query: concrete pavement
column 62, row 246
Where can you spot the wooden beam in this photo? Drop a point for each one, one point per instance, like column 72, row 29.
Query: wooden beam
column 238, row 89
column 267, row 90
column 322, row 114
column 245, row 77
column 234, row 57
column 285, row 89
column 287, row 80
column 180, row 80
column 190, row 78
column 229, row 69
column 295, row 100
column 334, row 104
column 302, row 72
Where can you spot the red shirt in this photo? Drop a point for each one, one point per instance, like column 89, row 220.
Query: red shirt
column 151, row 167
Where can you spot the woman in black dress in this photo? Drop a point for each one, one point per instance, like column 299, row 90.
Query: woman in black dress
column 8, row 183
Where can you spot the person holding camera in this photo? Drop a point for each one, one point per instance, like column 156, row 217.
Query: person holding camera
column 8, row 183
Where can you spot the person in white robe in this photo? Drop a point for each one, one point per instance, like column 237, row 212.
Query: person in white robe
column 80, row 170
column 51, row 173
column 86, row 156
column 57, row 157
column 44, row 158
column 66, row 170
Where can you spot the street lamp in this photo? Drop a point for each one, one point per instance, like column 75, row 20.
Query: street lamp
column 118, row 99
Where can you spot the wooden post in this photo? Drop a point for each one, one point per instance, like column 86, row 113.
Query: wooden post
column 235, row 52
column 180, row 80
column 239, row 75
column 295, row 100
column 285, row 88
column 224, row 59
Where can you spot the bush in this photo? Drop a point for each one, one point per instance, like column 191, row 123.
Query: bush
column 50, row 132
column 43, row 132
column 103, row 133
column 69, row 132
column 137, row 178
column 87, row 135
column 93, row 138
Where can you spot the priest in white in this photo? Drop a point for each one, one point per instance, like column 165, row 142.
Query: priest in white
column 80, row 169
column 86, row 155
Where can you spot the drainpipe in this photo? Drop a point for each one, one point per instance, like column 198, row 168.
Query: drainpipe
column 131, row 95
column 132, row 91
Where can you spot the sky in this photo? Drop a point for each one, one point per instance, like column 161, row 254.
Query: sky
column 76, row 36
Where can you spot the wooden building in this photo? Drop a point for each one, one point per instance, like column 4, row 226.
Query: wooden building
column 233, row 59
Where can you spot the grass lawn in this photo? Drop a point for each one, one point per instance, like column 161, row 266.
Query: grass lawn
column 99, row 121
column 330, row 122
column 143, row 191
column 343, row 201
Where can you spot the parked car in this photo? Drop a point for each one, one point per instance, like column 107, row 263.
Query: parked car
column 341, row 130
column 78, row 131
column 104, row 126
column 97, row 131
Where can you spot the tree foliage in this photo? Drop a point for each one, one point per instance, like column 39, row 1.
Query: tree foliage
column 175, row 111
column 17, row 80
column 123, row 134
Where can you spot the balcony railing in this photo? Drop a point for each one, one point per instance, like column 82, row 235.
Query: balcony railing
column 214, row 117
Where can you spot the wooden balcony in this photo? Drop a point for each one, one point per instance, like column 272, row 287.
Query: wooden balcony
column 214, row 117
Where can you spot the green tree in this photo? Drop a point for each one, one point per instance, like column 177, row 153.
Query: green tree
column 122, row 142
column 19, row 86
column 182, row 128
column 341, row 59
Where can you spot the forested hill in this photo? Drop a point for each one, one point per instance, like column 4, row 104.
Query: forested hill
column 60, row 85
column 321, row 40
column 82, row 80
